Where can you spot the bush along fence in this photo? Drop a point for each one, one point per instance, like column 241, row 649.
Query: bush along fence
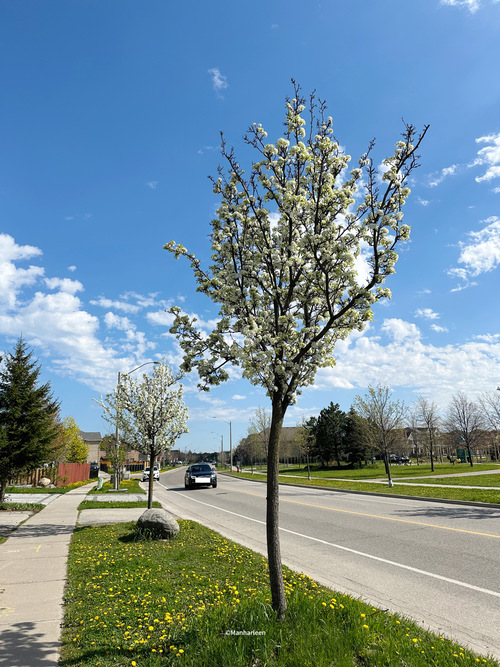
column 59, row 475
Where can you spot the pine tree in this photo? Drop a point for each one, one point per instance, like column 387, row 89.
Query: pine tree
column 27, row 414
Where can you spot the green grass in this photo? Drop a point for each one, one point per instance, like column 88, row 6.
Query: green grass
column 200, row 599
column 128, row 485
column 41, row 489
column 99, row 505
column 377, row 471
column 470, row 495
column 21, row 507
column 475, row 480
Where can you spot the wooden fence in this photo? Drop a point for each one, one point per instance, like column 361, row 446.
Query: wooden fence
column 59, row 475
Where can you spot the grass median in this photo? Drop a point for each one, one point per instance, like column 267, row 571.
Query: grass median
column 201, row 599
column 115, row 504
column 126, row 486
column 417, row 490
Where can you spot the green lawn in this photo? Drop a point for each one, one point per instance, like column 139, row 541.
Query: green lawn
column 21, row 507
column 201, row 599
column 474, row 480
column 128, row 485
column 41, row 489
column 471, row 495
column 110, row 504
column 377, row 471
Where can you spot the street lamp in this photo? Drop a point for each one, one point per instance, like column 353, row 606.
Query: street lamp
column 230, row 440
column 117, row 434
column 221, row 445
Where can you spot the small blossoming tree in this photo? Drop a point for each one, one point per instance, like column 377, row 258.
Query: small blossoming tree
column 151, row 413
column 287, row 245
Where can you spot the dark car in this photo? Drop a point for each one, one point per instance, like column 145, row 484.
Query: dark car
column 94, row 470
column 198, row 474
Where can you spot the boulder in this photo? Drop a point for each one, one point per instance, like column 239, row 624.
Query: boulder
column 158, row 523
column 44, row 481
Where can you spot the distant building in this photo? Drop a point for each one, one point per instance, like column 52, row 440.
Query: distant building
column 93, row 441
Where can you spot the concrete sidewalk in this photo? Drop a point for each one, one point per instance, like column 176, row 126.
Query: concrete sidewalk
column 33, row 564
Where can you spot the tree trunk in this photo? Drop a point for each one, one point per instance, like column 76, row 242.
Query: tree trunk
column 272, row 515
column 151, row 480
column 3, row 486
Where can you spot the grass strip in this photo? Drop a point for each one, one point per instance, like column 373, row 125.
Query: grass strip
column 377, row 470
column 473, row 480
column 112, row 504
column 417, row 491
column 201, row 599
column 128, row 485
column 43, row 489
column 22, row 507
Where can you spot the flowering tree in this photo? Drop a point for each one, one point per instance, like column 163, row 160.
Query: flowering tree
column 288, row 243
column 151, row 413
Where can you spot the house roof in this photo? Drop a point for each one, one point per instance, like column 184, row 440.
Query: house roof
column 91, row 436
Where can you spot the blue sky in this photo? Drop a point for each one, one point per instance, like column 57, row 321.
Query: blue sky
column 109, row 126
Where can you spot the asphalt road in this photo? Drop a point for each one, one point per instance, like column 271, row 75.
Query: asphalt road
column 436, row 563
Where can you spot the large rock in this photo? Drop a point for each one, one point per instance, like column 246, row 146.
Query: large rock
column 159, row 523
column 45, row 481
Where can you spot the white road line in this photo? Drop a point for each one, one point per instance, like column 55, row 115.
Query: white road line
column 463, row 584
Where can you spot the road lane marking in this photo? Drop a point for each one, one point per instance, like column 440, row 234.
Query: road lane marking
column 416, row 570
column 374, row 516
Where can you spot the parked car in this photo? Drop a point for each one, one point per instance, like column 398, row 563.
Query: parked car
column 94, row 470
column 199, row 474
column 156, row 474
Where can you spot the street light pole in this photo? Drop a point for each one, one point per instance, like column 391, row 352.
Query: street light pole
column 230, row 440
column 221, row 445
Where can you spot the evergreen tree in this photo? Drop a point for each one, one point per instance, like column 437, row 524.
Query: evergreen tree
column 329, row 434
column 27, row 414
column 356, row 441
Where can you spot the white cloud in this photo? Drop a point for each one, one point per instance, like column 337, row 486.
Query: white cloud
column 117, row 305
column 161, row 317
column 489, row 156
column 64, row 285
column 428, row 313
column 436, row 179
column 407, row 362
column 488, row 338
column 238, row 397
column 72, row 268
column 438, row 329
column 12, row 278
column 219, row 81
column 113, row 321
column 145, row 301
column 479, row 254
column 152, row 184
column 400, row 330
column 423, row 202
column 471, row 5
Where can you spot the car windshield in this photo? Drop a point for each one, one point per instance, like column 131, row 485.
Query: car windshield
column 204, row 467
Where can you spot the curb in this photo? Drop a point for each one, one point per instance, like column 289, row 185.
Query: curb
column 446, row 501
